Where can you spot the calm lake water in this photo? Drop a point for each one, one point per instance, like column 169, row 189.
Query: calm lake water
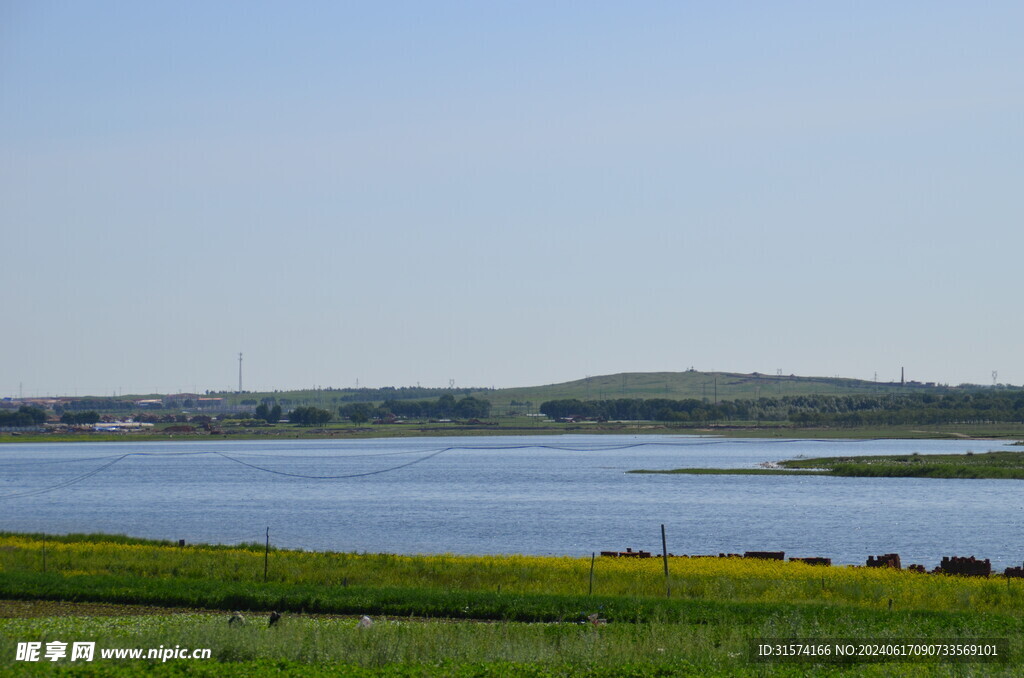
column 564, row 495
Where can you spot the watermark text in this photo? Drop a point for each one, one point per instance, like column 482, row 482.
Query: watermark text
column 57, row 650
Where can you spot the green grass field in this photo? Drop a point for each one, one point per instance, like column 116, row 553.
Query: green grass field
column 537, row 426
column 990, row 465
column 995, row 465
column 471, row 615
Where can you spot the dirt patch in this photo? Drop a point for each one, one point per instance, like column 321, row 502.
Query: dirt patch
column 941, row 434
column 22, row 609
column 25, row 609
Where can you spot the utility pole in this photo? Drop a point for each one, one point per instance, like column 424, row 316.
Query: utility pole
column 239, row 372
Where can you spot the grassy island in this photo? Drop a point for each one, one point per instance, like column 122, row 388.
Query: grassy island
column 992, row 465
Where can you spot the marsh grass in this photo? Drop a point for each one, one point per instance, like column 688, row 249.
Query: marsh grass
column 991, row 465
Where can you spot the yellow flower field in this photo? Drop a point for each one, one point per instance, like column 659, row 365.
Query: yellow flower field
column 736, row 579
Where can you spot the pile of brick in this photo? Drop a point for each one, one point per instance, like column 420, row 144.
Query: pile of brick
column 813, row 561
column 887, row 560
column 1017, row 572
column 628, row 553
column 971, row 567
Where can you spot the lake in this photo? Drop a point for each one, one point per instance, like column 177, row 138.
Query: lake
column 561, row 495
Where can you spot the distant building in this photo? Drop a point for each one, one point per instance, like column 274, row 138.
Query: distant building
column 121, row 426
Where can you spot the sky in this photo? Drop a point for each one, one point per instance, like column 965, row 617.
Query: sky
column 506, row 194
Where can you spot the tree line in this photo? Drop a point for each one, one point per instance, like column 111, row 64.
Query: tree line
column 25, row 415
column 80, row 418
column 807, row 410
column 390, row 393
column 268, row 413
column 445, row 407
column 98, row 404
column 310, row 416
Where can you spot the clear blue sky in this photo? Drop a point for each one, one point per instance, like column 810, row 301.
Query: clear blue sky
column 507, row 194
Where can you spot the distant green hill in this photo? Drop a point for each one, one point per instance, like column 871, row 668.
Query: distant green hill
column 694, row 384
column 673, row 385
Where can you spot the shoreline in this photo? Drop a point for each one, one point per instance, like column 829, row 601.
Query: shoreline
column 1001, row 465
column 346, row 432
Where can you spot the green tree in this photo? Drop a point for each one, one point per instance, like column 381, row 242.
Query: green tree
column 359, row 414
column 309, row 416
column 79, row 418
column 268, row 413
column 25, row 416
column 470, row 407
column 446, row 405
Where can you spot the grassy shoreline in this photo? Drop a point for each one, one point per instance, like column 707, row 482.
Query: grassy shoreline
column 969, row 466
column 524, row 427
column 733, row 472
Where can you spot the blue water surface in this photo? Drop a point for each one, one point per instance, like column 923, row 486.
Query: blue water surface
column 565, row 495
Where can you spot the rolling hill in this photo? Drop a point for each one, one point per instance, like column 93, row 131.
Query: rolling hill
column 693, row 384
column 673, row 385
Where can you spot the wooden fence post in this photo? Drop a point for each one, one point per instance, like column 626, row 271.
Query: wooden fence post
column 266, row 556
column 664, row 557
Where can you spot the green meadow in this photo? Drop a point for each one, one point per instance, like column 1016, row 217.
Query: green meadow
column 989, row 465
column 446, row 615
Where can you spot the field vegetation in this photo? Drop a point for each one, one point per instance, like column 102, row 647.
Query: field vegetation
column 990, row 465
column 675, row 385
column 488, row 616
column 722, row 403
column 997, row 465
column 249, row 430
column 991, row 407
